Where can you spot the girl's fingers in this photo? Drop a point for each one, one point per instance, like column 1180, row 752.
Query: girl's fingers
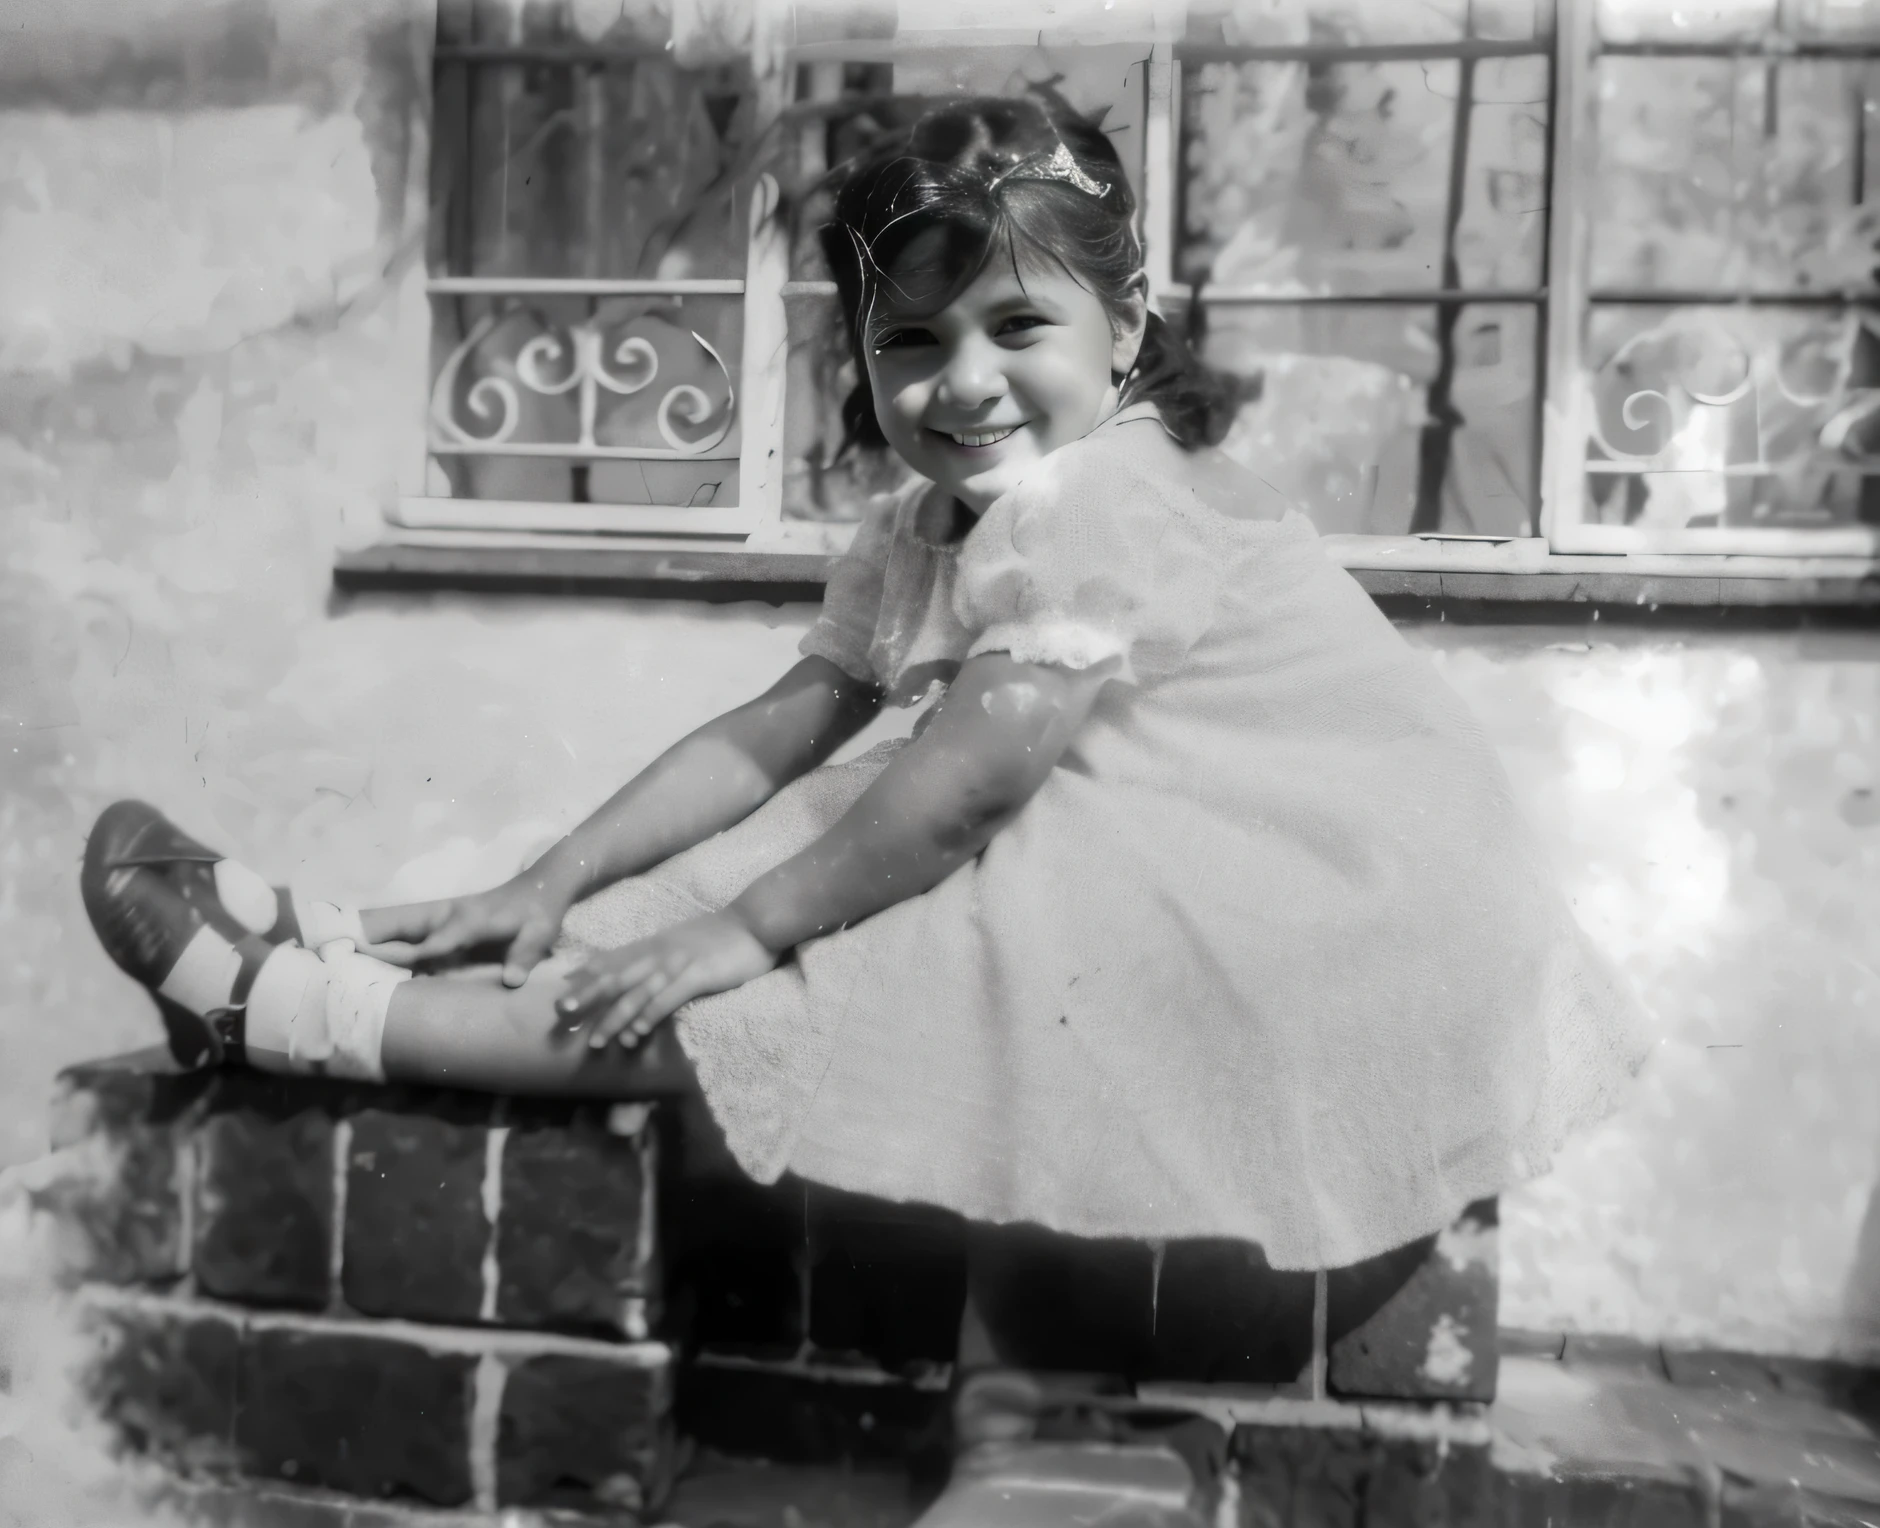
column 591, row 986
column 617, row 1019
column 622, row 1019
column 663, row 1004
column 609, row 1024
column 526, row 951
column 586, row 990
column 641, row 1029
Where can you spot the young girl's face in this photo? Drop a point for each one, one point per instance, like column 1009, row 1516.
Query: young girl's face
column 1017, row 365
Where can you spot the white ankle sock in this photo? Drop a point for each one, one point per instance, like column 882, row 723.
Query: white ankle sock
column 204, row 976
column 322, row 1014
column 250, row 900
column 321, row 923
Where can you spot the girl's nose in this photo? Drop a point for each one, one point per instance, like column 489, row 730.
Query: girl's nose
column 973, row 376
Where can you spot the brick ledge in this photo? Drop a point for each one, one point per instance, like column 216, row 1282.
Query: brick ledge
column 497, row 1341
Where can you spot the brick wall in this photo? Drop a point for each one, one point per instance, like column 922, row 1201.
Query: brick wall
column 382, row 1292
column 482, row 1303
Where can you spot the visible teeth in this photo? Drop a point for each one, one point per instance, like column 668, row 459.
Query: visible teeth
column 983, row 438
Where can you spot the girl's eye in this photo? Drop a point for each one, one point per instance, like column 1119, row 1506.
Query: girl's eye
column 1019, row 323
column 898, row 339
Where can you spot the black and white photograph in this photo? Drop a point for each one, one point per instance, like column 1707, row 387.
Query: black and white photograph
column 940, row 763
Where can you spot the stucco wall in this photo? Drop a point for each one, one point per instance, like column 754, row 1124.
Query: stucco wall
column 1711, row 804
column 207, row 382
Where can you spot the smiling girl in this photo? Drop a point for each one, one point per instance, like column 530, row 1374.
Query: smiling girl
column 1198, row 906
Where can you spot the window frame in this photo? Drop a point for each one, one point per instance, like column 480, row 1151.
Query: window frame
column 1565, row 525
column 1569, row 561
column 447, row 521
column 1430, row 551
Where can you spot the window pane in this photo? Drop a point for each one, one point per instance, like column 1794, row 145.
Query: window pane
column 614, row 171
column 1829, row 19
column 1316, row 178
column 1512, row 20
column 1489, row 476
column 1743, row 21
column 666, row 142
column 1340, row 408
column 1270, row 23
column 521, row 201
column 1685, row 21
column 1704, row 417
column 1336, row 179
column 525, row 371
column 1501, row 236
column 1724, row 173
column 1340, row 420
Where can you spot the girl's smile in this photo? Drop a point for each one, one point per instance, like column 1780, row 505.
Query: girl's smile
column 978, row 440
column 1017, row 365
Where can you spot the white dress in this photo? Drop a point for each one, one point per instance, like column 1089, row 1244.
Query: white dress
column 1270, row 955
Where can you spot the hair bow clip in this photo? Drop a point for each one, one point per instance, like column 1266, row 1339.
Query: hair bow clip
column 1057, row 165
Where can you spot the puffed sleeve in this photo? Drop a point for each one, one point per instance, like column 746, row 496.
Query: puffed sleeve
column 851, row 606
column 1088, row 559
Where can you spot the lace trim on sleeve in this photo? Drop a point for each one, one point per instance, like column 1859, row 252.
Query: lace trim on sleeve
column 1058, row 643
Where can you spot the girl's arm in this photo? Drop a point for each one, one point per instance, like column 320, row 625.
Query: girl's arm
column 995, row 738
column 703, row 784
column 715, row 777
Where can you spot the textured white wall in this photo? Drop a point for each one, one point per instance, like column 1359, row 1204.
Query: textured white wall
column 203, row 375
column 1712, row 805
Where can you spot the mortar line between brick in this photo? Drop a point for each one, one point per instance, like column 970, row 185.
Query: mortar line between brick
column 646, row 1254
column 486, row 1411
column 1321, row 1301
column 494, row 1144
column 336, row 1234
column 435, row 1339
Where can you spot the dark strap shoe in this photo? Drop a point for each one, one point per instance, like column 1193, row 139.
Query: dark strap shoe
column 168, row 931
column 132, row 833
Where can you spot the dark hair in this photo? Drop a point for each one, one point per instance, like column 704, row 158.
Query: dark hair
column 993, row 173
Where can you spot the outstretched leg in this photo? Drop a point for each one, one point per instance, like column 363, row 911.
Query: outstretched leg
column 468, row 1030
column 229, row 992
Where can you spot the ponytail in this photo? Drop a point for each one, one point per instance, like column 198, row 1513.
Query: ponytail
column 1196, row 402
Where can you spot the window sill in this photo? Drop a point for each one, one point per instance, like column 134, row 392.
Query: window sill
column 574, row 565
column 1476, row 580
column 1410, row 577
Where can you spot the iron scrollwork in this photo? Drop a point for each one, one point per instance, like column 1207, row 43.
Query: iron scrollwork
column 1739, row 415
column 573, row 359
column 1695, row 364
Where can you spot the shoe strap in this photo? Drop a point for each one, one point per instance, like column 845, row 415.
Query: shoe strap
column 159, row 857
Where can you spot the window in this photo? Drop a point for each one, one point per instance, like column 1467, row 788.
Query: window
column 1514, row 287
column 603, row 297
column 1359, row 229
column 1719, row 388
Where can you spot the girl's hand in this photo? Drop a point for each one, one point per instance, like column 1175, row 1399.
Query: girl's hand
column 628, row 991
column 521, row 917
